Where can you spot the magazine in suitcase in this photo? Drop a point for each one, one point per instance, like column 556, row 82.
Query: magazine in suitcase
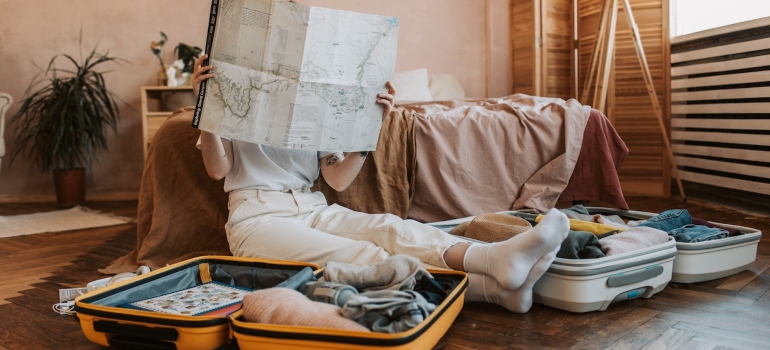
column 707, row 260
column 115, row 315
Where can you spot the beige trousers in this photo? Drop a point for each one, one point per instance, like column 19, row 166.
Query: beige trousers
column 299, row 225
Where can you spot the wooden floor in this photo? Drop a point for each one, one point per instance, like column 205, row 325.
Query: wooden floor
column 728, row 313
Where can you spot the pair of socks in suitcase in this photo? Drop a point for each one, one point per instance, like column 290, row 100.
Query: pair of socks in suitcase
column 505, row 272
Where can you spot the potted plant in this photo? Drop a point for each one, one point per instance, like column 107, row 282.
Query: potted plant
column 180, row 71
column 187, row 55
column 62, row 122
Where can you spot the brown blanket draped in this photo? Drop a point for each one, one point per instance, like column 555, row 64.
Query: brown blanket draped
column 182, row 211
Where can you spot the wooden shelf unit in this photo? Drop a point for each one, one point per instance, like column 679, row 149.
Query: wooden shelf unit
column 153, row 113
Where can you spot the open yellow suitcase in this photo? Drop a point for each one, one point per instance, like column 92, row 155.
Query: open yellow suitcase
column 105, row 322
column 423, row 336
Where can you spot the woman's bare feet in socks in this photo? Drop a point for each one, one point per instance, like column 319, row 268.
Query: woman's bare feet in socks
column 486, row 288
column 510, row 261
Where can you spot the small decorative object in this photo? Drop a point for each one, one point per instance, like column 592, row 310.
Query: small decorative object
column 157, row 50
column 61, row 125
column 180, row 72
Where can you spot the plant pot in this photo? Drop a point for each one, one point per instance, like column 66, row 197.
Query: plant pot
column 70, row 186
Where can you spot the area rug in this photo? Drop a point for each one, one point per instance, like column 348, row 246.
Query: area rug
column 76, row 218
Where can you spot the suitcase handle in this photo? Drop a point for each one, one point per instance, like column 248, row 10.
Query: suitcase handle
column 623, row 279
column 136, row 331
column 129, row 343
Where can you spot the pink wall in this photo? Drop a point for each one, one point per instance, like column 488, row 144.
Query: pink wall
column 468, row 39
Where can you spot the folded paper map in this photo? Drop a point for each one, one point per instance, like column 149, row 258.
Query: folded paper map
column 294, row 76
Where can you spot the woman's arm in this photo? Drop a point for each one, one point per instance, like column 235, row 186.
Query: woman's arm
column 217, row 155
column 340, row 170
column 217, row 152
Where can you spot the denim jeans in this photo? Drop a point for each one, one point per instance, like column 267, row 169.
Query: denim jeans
column 697, row 233
column 669, row 220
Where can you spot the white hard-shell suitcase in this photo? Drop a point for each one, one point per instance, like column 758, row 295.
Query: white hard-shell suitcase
column 583, row 285
column 704, row 261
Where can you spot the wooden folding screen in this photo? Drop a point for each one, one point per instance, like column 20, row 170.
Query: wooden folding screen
column 542, row 64
column 542, row 42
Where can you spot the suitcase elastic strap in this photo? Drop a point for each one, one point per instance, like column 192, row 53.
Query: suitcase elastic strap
column 205, row 272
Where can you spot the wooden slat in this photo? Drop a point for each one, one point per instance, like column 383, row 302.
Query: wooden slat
column 729, row 167
column 159, row 114
column 741, row 139
column 728, row 29
column 729, row 153
column 525, row 58
column 747, row 46
column 756, row 92
column 641, row 187
column 732, row 124
column 153, row 124
column 727, row 79
column 722, row 66
column 719, row 108
column 720, row 181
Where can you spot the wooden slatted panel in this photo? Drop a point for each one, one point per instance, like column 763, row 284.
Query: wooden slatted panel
column 737, row 168
column 541, row 41
column 721, row 108
column 741, row 78
column 734, row 124
column 557, row 44
column 645, row 171
column 740, row 139
column 721, row 50
column 726, row 182
column 742, row 63
column 721, row 152
column 525, row 46
column 757, row 92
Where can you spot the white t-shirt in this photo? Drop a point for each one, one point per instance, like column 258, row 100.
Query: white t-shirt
column 270, row 168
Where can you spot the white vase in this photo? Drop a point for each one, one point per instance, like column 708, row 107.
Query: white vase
column 184, row 79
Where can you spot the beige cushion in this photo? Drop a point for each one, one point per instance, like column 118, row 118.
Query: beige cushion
column 445, row 87
column 412, row 86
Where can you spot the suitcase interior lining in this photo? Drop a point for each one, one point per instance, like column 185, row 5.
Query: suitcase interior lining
column 247, row 275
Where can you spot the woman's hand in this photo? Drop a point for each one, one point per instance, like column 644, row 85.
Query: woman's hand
column 340, row 170
column 386, row 99
column 200, row 73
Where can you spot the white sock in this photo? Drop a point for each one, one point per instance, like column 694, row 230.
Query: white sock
column 486, row 288
column 510, row 261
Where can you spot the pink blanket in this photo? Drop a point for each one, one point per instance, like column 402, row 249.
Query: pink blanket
column 480, row 156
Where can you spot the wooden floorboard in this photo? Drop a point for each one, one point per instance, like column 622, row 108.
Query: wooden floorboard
column 727, row 313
